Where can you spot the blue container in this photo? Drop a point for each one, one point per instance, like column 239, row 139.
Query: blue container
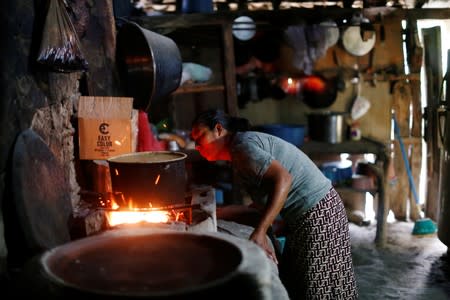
column 281, row 242
column 339, row 172
column 292, row 133
column 194, row 6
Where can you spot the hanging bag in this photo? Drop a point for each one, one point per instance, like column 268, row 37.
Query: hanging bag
column 60, row 48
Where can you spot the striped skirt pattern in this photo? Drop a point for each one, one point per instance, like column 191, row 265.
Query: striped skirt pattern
column 317, row 259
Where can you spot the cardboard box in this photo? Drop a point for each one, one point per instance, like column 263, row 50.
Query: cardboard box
column 105, row 127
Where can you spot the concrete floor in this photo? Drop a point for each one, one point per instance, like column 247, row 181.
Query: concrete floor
column 409, row 267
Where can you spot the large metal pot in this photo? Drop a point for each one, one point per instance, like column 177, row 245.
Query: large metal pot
column 148, row 179
column 149, row 65
column 328, row 126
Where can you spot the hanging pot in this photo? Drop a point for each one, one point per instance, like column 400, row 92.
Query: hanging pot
column 149, row 65
column 359, row 38
column 244, row 28
column 318, row 91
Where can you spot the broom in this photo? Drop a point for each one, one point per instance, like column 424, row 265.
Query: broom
column 425, row 225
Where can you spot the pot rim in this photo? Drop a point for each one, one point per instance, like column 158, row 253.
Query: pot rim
column 125, row 158
column 136, row 232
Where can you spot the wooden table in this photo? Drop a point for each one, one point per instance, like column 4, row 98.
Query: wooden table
column 379, row 168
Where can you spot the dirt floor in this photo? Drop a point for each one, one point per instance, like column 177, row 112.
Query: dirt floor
column 409, row 266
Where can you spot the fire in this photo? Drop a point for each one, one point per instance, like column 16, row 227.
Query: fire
column 128, row 213
column 136, row 216
column 133, row 215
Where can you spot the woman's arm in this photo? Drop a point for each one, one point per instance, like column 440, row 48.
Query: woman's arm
column 281, row 180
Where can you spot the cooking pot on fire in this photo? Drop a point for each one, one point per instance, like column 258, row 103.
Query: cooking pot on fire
column 148, row 179
column 149, row 64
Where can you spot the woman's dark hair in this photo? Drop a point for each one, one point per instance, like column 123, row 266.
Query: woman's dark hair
column 211, row 117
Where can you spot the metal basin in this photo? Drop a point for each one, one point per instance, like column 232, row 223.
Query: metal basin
column 151, row 265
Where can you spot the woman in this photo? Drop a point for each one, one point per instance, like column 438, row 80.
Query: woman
column 316, row 262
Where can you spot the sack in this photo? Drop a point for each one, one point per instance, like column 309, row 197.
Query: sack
column 60, row 48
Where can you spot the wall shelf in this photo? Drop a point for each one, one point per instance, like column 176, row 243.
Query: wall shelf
column 198, row 88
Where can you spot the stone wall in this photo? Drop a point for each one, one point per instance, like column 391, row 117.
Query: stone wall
column 43, row 100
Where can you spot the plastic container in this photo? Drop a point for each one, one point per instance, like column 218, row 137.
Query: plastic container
column 292, row 133
column 424, row 226
column 339, row 172
column 194, row 6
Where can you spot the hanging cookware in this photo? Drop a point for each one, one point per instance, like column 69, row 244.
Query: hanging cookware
column 244, row 28
column 359, row 38
column 360, row 105
column 149, row 65
column 316, row 91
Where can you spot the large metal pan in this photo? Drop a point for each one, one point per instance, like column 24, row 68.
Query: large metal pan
column 149, row 65
column 359, row 38
column 145, row 264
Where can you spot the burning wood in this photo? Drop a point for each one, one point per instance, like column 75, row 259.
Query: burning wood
column 131, row 217
column 198, row 212
column 174, row 213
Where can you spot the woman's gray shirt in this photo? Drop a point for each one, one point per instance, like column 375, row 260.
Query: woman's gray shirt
column 251, row 154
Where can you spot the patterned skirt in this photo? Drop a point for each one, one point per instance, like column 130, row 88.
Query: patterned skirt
column 317, row 261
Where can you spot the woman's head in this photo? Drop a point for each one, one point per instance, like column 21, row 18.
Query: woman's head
column 211, row 117
column 211, row 132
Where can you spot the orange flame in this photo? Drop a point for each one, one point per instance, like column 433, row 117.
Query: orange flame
column 136, row 216
column 157, row 179
column 114, row 205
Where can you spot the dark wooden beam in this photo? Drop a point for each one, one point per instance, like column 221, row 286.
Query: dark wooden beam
column 285, row 17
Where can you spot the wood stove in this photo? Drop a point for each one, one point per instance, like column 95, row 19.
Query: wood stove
column 196, row 212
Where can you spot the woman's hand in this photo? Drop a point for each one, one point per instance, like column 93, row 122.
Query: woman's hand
column 281, row 180
column 259, row 238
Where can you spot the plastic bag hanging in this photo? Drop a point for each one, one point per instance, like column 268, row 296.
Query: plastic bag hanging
column 60, row 47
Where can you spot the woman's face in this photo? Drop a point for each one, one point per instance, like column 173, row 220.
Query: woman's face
column 210, row 142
